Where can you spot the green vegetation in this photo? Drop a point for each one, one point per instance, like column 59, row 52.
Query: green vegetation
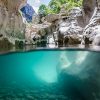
column 55, row 6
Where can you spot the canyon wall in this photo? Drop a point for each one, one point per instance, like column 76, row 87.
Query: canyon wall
column 11, row 22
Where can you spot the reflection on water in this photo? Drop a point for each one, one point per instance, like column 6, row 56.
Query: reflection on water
column 47, row 46
column 50, row 75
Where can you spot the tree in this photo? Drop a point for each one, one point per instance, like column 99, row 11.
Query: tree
column 43, row 10
column 54, row 6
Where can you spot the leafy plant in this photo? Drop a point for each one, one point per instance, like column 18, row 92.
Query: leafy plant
column 55, row 6
column 43, row 10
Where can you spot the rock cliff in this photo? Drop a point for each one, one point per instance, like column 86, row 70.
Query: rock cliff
column 78, row 26
column 91, row 32
column 11, row 23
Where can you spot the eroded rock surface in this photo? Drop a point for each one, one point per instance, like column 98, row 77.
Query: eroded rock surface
column 11, row 23
column 78, row 26
column 92, row 30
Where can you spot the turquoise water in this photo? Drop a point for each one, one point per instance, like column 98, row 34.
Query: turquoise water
column 50, row 75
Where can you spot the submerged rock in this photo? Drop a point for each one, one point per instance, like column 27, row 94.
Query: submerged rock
column 80, row 77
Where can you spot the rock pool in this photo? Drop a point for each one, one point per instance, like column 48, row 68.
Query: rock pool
column 50, row 75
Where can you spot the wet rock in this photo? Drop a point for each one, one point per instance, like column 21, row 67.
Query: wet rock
column 81, row 72
column 19, row 44
column 5, row 44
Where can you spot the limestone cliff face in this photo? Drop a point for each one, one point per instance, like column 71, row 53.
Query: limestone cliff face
column 92, row 30
column 11, row 23
column 79, row 26
column 88, row 9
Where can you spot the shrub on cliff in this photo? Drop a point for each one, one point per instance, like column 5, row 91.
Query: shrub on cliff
column 55, row 6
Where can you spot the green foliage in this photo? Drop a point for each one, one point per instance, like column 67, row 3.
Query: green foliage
column 73, row 3
column 43, row 10
column 54, row 6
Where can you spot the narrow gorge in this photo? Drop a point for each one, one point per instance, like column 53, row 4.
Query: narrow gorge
column 78, row 26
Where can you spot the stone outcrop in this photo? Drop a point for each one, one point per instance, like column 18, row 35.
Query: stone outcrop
column 70, row 28
column 37, row 32
column 88, row 9
column 78, row 26
column 11, row 22
column 92, row 30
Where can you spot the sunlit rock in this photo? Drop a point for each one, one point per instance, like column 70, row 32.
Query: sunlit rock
column 69, row 28
column 96, row 41
column 35, row 32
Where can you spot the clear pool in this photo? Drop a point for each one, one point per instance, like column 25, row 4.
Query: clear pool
column 50, row 75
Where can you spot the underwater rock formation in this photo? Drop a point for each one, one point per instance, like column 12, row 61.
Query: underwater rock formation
column 11, row 22
column 80, row 77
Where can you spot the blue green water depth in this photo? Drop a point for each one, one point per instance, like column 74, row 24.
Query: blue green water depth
column 39, row 74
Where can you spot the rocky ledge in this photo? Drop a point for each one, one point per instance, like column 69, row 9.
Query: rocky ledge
column 78, row 26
